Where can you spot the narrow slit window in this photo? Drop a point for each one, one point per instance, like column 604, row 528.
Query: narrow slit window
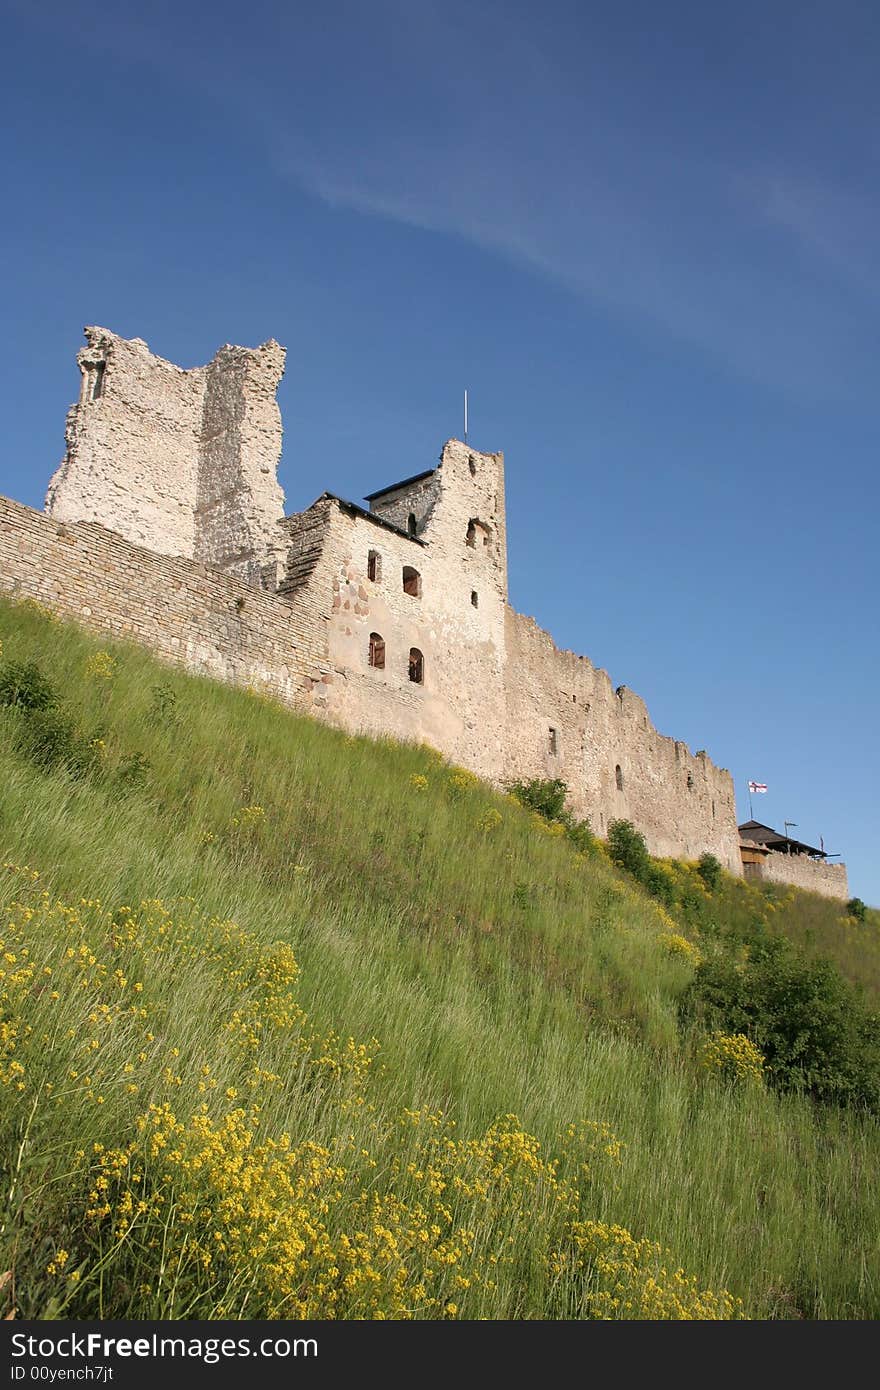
column 412, row 525
column 475, row 598
column 416, row 666
column 377, row 651
column 472, row 465
column 690, row 781
column 98, row 380
column 553, row 742
column 618, row 777
column 412, row 582
column 374, row 566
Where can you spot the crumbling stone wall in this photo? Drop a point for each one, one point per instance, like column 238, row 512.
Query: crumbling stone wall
column 181, row 462
column 212, row 624
column 813, row 875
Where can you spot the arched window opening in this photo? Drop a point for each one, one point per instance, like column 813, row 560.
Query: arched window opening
column 412, row 525
column 374, row 566
column 553, row 742
column 416, row 666
column 412, row 582
column 475, row 598
column 377, row 651
column 618, row 777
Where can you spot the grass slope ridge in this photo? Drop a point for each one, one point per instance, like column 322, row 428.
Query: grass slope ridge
column 397, row 1050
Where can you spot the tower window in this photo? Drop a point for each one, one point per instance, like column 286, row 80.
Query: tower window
column 377, row 651
column 98, row 380
column 553, row 742
column 477, row 534
column 412, row 581
column 412, row 525
column 690, row 781
column 374, row 566
column 475, row 598
column 618, row 777
column 416, row 666
column 472, row 465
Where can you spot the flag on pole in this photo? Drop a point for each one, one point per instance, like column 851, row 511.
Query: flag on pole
column 757, row 786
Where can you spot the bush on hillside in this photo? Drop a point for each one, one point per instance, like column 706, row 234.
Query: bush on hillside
column 547, row 798
column 709, row 869
column 627, row 849
column 23, row 686
column 813, row 1029
column 856, row 908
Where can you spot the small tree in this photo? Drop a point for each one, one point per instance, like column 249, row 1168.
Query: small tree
column 709, row 869
column 628, row 850
column 856, row 908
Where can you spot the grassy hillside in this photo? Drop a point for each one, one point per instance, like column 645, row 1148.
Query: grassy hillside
column 300, row 1024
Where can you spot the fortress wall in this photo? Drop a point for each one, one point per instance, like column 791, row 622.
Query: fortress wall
column 209, row 623
column 681, row 802
column 800, row 871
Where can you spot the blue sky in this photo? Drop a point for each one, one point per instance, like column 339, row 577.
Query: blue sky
column 644, row 237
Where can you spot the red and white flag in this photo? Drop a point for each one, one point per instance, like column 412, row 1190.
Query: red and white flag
column 757, row 786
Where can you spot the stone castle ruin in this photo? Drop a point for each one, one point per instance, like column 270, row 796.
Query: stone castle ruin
column 166, row 526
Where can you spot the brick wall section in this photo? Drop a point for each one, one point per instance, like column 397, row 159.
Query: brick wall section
column 304, row 534
column 800, row 871
column 210, row 623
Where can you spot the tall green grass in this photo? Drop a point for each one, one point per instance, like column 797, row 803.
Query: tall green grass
column 499, row 971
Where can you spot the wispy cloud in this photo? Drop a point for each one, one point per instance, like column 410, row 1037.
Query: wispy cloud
column 540, row 139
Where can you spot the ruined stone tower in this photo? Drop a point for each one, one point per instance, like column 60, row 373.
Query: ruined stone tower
column 181, row 462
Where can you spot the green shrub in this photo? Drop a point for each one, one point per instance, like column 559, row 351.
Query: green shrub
column 856, row 908
column 46, row 737
column 23, row 686
column 547, row 799
column 813, row 1028
column 628, row 850
column 709, row 869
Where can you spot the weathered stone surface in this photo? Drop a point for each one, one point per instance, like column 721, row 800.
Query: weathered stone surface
column 166, row 463
column 181, row 462
column 813, row 875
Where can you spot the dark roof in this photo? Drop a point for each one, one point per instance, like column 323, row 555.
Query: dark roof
column 766, row 835
column 405, row 482
column 369, row 516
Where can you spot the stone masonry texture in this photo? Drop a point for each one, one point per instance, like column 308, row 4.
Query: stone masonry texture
column 166, row 527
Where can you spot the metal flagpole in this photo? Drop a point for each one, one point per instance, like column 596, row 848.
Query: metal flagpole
column 751, row 812
column 465, row 416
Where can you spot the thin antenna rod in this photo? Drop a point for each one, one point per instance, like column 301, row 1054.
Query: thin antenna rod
column 465, row 415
